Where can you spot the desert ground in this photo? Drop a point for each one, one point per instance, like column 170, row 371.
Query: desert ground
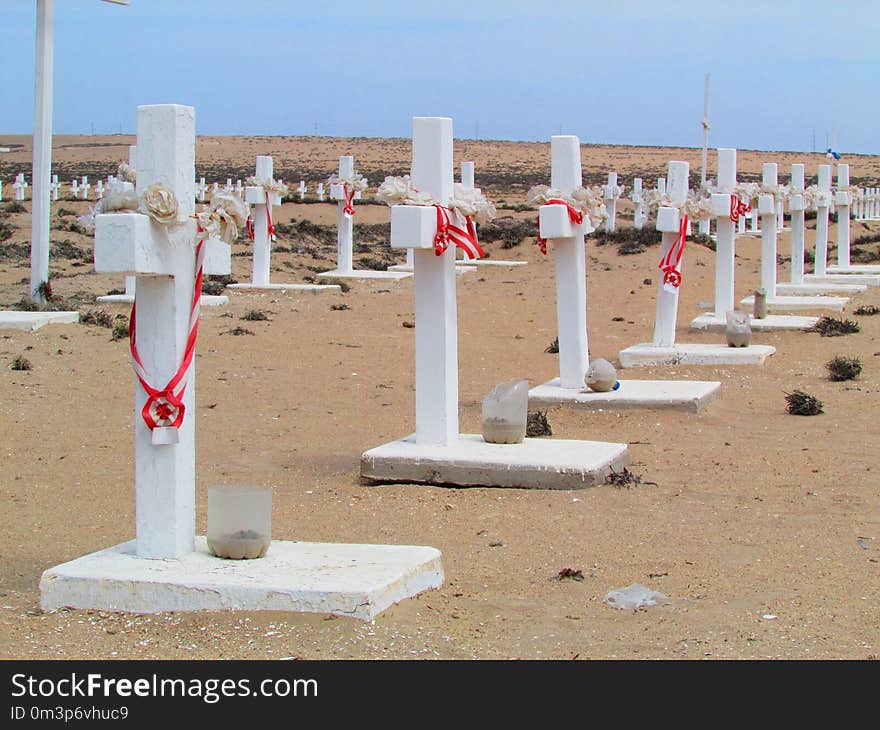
column 762, row 528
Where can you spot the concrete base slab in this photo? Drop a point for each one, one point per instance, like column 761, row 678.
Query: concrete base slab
column 794, row 304
column 359, row 581
column 365, row 274
column 315, row 288
column 470, row 461
column 699, row 354
column 854, row 269
column 32, row 321
column 814, row 287
column 491, row 262
column 207, row 300
column 460, row 268
column 866, row 279
column 683, row 395
column 770, row 323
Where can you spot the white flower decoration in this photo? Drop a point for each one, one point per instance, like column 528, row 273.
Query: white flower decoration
column 159, row 203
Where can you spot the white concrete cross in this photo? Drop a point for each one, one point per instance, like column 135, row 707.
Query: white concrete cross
column 301, row 190
column 725, row 237
column 321, row 191
column 823, row 201
column 55, row 187
column 467, row 181
column 668, row 221
column 238, row 188
column 570, row 261
column 260, row 198
column 638, row 199
column 413, row 227
column 344, row 222
column 19, row 186
column 610, row 195
column 843, row 198
column 797, row 206
column 99, row 189
column 85, row 187
column 767, row 211
column 201, row 189
column 229, row 187
column 214, row 188
column 74, row 188
column 164, row 262
column 661, row 185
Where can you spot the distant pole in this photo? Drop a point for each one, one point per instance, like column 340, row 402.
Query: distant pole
column 40, row 208
column 705, row 124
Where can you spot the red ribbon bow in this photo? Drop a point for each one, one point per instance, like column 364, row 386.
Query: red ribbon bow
column 349, row 197
column 574, row 215
column 738, row 208
column 671, row 262
column 448, row 232
column 165, row 407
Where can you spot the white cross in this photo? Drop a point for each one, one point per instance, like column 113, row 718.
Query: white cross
column 822, row 200
column 611, row 202
column 767, row 211
column 74, row 187
column 725, row 236
column 345, row 223
column 413, row 227
column 238, row 188
column 320, row 191
column 99, row 189
column 164, row 262
column 570, row 259
column 201, row 188
column 797, row 207
column 85, row 187
column 214, row 188
column 301, row 190
column 844, row 200
column 668, row 221
column 228, row 187
column 256, row 195
column 638, row 200
column 20, row 186
column 55, row 187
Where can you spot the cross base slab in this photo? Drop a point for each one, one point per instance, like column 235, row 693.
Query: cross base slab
column 207, row 300
column 471, row 462
column 794, row 304
column 866, row 279
column 814, row 287
column 32, row 321
column 854, row 269
column 286, row 287
column 683, row 395
column 699, row 354
column 359, row 581
column 772, row 322
column 460, row 268
column 489, row 262
column 365, row 274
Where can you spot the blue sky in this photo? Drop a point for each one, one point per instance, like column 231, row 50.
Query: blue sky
column 611, row 72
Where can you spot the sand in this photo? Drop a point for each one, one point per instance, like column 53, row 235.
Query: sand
column 762, row 528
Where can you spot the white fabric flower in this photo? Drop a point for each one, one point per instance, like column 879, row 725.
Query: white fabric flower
column 356, row 182
column 230, row 214
column 471, row 202
column 159, row 203
column 127, row 172
column 399, row 191
column 269, row 185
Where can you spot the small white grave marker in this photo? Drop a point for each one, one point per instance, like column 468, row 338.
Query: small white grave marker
column 84, row 188
column 301, row 190
column 320, row 191
column 611, row 192
column 20, row 187
column 638, row 199
column 202, row 189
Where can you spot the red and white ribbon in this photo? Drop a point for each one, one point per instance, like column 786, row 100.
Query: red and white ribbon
column 164, row 408
column 271, row 227
column 348, row 193
column 738, row 208
column 574, row 215
column 447, row 233
column 670, row 264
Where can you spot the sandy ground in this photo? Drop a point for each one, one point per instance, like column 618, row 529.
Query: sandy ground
column 763, row 528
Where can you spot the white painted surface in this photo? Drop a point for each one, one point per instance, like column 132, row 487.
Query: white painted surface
column 797, row 207
column 288, row 287
column 700, row 354
column 854, row 269
column 365, row 274
column 844, row 201
column 262, row 243
column 359, row 581
column 470, row 461
column 813, row 288
column 767, row 209
column 850, row 278
column 684, row 395
column 820, row 257
column 668, row 222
